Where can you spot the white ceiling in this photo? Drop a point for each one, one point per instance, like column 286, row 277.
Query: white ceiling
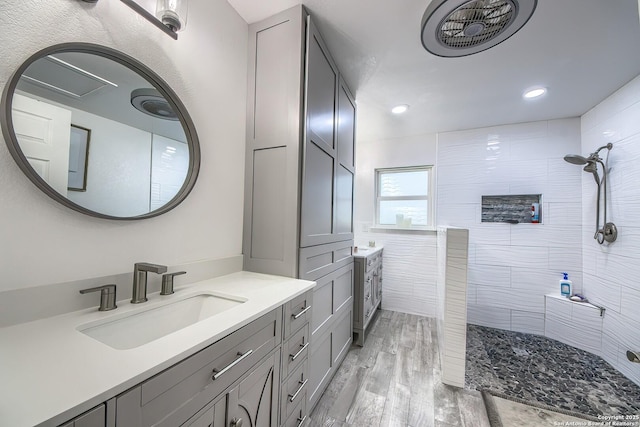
column 582, row 50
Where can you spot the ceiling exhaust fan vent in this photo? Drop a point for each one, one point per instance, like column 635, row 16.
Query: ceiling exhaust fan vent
column 151, row 102
column 453, row 28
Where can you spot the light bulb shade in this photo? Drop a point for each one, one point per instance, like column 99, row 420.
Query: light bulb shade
column 172, row 13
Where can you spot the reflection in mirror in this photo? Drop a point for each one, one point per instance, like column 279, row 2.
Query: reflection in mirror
column 101, row 133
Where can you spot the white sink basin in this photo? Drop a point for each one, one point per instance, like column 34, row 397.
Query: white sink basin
column 134, row 329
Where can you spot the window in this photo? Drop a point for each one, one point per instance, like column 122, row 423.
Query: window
column 404, row 198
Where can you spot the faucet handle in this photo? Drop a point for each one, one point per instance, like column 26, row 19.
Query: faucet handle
column 107, row 296
column 167, row 282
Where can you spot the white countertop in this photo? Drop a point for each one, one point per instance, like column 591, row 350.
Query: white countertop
column 365, row 251
column 50, row 372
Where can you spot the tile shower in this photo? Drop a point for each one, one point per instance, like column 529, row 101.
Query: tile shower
column 513, row 266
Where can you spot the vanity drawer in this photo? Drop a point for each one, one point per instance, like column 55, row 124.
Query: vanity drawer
column 295, row 350
column 298, row 418
column 172, row 396
column 294, row 391
column 371, row 263
column 297, row 312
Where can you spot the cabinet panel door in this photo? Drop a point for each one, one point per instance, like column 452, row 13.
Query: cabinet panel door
column 332, row 295
column 343, row 226
column 341, row 337
column 316, row 223
column 322, row 82
column 320, row 362
column 255, row 399
column 319, row 150
column 343, row 288
column 322, row 303
column 346, row 127
column 268, row 205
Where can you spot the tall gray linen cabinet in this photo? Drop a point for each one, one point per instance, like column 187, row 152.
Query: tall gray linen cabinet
column 300, row 166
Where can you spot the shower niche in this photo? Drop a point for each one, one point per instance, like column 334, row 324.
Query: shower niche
column 512, row 209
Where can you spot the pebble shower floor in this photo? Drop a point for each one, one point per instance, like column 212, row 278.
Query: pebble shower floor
column 547, row 371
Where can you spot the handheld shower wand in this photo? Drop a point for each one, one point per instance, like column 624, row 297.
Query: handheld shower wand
column 608, row 232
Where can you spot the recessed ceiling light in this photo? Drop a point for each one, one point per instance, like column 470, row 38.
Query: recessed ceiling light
column 534, row 93
column 399, row 109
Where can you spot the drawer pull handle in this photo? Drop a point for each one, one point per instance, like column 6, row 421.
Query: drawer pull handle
column 217, row 374
column 302, row 348
column 304, row 310
column 293, row 396
column 301, row 421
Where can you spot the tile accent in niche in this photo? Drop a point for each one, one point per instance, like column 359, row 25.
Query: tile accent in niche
column 511, row 208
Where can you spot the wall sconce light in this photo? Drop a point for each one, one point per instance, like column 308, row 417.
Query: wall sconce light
column 171, row 15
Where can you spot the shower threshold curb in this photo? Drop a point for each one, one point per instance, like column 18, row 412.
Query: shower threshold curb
column 494, row 415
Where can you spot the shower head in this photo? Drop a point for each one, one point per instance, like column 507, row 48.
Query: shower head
column 576, row 159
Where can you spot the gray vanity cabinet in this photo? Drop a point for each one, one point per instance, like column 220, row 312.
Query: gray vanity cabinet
column 345, row 165
column 252, row 402
column 368, row 290
column 197, row 383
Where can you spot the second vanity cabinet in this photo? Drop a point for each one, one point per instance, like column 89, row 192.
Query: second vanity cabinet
column 368, row 290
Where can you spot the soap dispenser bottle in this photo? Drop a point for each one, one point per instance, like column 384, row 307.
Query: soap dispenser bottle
column 565, row 286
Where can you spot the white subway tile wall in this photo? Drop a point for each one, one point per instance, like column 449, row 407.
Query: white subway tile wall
column 451, row 304
column 410, row 268
column 611, row 271
column 410, row 273
column 514, row 266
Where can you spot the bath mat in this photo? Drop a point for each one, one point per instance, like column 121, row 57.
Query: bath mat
column 507, row 411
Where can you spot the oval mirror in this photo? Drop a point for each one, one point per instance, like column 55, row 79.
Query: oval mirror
column 100, row 132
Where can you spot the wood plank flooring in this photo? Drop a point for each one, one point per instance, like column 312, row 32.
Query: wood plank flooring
column 394, row 380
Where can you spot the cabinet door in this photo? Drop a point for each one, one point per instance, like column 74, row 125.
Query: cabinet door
column 345, row 169
column 254, row 401
column 320, row 153
column 273, row 151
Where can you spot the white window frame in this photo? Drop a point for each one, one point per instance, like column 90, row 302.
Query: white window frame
column 430, row 198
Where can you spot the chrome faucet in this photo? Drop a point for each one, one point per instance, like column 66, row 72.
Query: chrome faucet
column 140, row 271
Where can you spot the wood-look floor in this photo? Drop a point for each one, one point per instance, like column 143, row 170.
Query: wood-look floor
column 394, row 380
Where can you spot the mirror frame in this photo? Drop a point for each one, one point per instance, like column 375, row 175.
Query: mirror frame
column 136, row 66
